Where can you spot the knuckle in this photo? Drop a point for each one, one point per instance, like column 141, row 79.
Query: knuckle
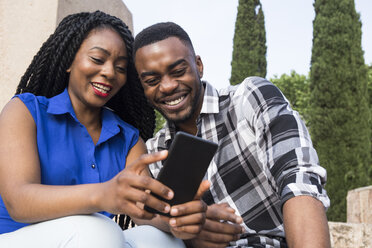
column 203, row 206
column 140, row 214
column 145, row 181
column 203, row 218
column 164, row 191
column 144, row 197
column 143, row 158
column 198, row 229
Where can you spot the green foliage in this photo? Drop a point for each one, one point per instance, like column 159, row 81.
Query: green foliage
column 370, row 86
column 159, row 122
column 296, row 89
column 338, row 114
column 249, row 53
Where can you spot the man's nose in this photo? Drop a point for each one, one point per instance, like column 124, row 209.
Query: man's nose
column 168, row 85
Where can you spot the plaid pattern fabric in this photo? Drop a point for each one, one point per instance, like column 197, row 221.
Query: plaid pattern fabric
column 265, row 157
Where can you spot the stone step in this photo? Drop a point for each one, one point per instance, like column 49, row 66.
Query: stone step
column 350, row 235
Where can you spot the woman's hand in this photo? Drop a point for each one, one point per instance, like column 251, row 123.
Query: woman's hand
column 130, row 186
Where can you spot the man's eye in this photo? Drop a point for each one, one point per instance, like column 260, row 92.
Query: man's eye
column 151, row 82
column 178, row 73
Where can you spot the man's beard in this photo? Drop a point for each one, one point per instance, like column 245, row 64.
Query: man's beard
column 190, row 114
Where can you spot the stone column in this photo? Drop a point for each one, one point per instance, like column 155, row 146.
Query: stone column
column 359, row 205
column 26, row 24
column 357, row 232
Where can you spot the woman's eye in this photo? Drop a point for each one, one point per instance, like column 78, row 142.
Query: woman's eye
column 97, row 60
column 121, row 69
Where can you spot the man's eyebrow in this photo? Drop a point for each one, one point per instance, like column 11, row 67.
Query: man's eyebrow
column 178, row 62
column 170, row 67
column 107, row 52
column 148, row 73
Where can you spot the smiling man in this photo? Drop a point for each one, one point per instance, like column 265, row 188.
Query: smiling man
column 266, row 183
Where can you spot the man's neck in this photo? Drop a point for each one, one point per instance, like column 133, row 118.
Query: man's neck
column 190, row 125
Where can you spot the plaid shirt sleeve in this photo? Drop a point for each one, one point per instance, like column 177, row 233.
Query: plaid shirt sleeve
column 283, row 142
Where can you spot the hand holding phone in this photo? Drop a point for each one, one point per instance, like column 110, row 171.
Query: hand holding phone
column 188, row 160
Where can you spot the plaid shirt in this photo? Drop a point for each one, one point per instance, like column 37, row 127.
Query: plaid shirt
column 265, row 157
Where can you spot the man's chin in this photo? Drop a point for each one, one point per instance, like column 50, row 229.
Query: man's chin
column 177, row 119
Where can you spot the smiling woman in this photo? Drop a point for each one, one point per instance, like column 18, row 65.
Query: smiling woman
column 99, row 69
column 71, row 141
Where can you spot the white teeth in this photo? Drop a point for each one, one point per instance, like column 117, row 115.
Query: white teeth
column 175, row 102
column 101, row 88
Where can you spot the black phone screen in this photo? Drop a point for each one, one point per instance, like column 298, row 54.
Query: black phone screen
column 187, row 162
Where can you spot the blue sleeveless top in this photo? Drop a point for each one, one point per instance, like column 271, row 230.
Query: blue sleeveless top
column 67, row 153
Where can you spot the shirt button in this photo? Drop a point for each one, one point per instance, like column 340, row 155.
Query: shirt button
column 93, row 166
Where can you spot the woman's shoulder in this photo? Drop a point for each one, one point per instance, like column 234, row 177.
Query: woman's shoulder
column 29, row 97
column 28, row 102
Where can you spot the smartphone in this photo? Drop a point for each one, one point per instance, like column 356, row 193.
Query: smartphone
column 184, row 168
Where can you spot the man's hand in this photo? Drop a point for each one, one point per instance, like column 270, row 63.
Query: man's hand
column 187, row 219
column 221, row 226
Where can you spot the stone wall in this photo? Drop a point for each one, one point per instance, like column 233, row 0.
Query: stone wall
column 357, row 232
column 26, row 24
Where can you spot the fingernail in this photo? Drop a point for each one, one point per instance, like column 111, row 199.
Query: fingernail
column 174, row 211
column 170, row 194
column 163, row 152
column 172, row 222
column 243, row 230
column 239, row 220
column 166, row 209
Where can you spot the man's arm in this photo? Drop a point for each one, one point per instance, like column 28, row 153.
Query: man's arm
column 305, row 223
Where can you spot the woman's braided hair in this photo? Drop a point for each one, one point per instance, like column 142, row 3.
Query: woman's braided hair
column 47, row 76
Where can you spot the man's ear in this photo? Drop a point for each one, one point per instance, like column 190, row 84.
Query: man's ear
column 199, row 65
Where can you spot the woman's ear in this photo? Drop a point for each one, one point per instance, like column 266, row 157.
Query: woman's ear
column 68, row 70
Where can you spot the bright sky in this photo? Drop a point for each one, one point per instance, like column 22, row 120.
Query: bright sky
column 210, row 25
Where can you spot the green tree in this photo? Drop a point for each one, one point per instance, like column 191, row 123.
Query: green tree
column 295, row 87
column 339, row 114
column 159, row 121
column 249, row 52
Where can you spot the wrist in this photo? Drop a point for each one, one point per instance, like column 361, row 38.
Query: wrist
column 96, row 197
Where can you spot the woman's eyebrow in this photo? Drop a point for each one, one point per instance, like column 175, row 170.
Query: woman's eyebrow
column 107, row 52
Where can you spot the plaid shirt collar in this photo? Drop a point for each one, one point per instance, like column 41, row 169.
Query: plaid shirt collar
column 210, row 106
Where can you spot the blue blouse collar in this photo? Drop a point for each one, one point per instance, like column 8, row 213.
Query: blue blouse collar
column 111, row 123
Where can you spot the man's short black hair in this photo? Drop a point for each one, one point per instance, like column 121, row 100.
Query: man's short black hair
column 159, row 32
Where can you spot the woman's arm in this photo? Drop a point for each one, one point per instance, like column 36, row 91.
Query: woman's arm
column 136, row 151
column 27, row 200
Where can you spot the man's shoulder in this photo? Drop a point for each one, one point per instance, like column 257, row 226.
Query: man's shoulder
column 247, row 86
column 256, row 89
